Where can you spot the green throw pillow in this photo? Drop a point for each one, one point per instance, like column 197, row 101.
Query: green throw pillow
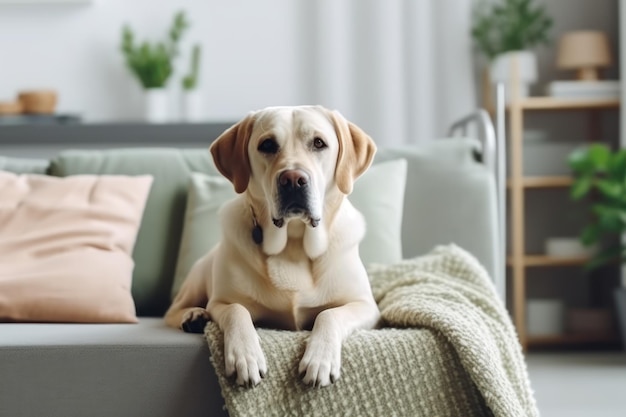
column 378, row 194
column 201, row 230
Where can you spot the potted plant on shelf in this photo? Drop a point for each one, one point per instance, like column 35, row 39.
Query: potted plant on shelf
column 152, row 64
column 507, row 30
column 601, row 172
column 192, row 99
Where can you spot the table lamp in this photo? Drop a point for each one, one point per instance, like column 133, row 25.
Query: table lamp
column 585, row 51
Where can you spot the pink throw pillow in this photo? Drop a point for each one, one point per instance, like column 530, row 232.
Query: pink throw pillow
column 66, row 247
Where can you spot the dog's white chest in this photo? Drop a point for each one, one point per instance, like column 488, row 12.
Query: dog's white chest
column 288, row 274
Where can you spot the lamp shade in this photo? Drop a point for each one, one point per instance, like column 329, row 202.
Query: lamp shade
column 584, row 50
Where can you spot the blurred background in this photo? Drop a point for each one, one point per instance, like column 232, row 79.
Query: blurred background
column 404, row 70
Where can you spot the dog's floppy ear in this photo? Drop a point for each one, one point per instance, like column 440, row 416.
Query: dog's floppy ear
column 230, row 153
column 356, row 151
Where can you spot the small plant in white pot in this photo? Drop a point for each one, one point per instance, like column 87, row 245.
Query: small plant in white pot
column 506, row 31
column 192, row 106
column 600, row 172
column 152, row 64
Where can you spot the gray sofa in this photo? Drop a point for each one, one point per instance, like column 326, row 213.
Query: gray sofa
column 146, row 369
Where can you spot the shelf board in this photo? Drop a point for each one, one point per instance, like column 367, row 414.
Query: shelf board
column 573, row 339
column 545, row 182
column 545, row 260
column 552, row 103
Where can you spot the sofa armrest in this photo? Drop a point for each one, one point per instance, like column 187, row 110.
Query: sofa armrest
column 450, row 197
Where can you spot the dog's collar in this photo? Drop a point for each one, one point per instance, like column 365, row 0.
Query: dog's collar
column 257, row 231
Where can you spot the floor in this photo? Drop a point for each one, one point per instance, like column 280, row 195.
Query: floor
column 579, row 384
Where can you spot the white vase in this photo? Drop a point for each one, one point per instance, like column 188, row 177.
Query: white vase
column 501, row 70
column 192, row 106
column 156, row 105
column 545, row 317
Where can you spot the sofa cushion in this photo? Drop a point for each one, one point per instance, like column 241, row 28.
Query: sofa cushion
column 159, row 236
column 105, row 370
column 23, row 165
column 65, row 246
column 379, row 195
column 202, row 228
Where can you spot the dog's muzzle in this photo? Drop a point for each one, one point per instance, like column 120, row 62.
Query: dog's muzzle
column 294, row 190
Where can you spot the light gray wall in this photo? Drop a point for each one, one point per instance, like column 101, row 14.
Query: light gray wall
column 74, row 49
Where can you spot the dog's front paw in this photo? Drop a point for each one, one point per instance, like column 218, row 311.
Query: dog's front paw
column 194, row 320
column 244, row 356
column 321, row 364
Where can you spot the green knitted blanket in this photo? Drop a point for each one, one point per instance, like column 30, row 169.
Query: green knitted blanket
column 446, row 348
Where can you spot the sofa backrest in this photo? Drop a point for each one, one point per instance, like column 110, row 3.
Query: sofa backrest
column 449, row 198
column 23, row 165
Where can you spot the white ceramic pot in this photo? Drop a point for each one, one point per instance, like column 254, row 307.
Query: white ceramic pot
column 502, row 67
column 192, row 106
column 156, row 105
column 568, row 247
column 545, row 317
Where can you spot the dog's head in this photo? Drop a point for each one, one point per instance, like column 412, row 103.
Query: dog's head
column 293, row 158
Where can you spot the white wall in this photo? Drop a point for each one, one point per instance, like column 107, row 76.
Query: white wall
column 250, row 54
column 401, row 69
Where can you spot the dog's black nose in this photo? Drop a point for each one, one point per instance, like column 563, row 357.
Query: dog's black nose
column 293, row 178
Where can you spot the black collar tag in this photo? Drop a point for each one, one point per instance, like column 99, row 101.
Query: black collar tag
column 257, row 231
column 257, row 234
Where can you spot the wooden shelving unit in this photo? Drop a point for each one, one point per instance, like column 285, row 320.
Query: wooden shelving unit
column 545, row 182
column 574, row 340
column 518, row 185
column 551, row 103
column 545, row 260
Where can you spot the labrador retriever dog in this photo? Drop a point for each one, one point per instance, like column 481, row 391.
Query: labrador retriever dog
column 289, row 254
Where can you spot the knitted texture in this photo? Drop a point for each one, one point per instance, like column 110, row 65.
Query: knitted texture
column 446, row 347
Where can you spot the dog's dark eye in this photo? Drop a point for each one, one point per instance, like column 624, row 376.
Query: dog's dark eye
column 268, row 146
column 319, row 144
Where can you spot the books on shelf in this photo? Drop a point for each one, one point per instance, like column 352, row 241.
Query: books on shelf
column 587, row 90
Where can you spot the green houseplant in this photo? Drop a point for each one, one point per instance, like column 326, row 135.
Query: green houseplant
column 192, row 99
column 503, row 30
column 509, row 25
column 152, row 64
column 600, row 173
column 190, row 81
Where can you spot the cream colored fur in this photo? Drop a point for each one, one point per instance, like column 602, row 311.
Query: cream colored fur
column 303, row 275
